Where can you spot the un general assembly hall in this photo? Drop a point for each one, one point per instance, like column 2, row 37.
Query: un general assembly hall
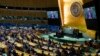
column 49, row 28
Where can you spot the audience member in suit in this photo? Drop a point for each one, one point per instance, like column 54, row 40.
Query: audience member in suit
column 98, row 52
column 79, row 52
column 14, row 53
column 58, row 53
column 4, row 52
column 1, row 38
column 22, row 54
column 49, row 43
column 72, row 51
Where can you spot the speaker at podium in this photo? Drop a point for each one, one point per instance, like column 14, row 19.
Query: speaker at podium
column 59, row 34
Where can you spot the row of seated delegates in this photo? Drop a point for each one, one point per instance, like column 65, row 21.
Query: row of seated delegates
column 69, row 51
column 22, row 18
column 81, row 51
column 93, row 44
column 3, row 52
column 42, row 30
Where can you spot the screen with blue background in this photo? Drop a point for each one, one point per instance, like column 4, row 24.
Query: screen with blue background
column 90, row 13
column 52, row 14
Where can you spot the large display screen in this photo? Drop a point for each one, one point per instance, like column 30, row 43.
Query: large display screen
column 52, row 14
column 90, row 13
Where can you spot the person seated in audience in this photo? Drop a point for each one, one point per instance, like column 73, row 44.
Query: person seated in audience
column 30, row 55
column 1, row 38
column 58, row 53
column 4, row 52
column 98, row 52
column 79, row 52
column 31, row 49
column 67, row 51
column 32, row 37
column 72, row 51
column 35, row 54
column 14, row 53
column 91, row 43
column 42, row 53
column 49, row 43
column 25, row 45
column 63, row 52
column 22, row 54
column 10, row 49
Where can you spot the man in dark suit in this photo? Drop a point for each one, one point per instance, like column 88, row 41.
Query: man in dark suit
column 75, row 32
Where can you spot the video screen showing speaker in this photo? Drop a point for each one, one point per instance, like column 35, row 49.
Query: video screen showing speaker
column 52, row 14
column 90, row 13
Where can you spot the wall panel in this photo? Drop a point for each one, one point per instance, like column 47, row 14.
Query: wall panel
column 30, row 3
column 33, row 13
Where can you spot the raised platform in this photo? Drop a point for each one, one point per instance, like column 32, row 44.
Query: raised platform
column 65, row 38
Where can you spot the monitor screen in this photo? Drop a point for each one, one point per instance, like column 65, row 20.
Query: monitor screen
column 90, row 13
column 52, row 14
